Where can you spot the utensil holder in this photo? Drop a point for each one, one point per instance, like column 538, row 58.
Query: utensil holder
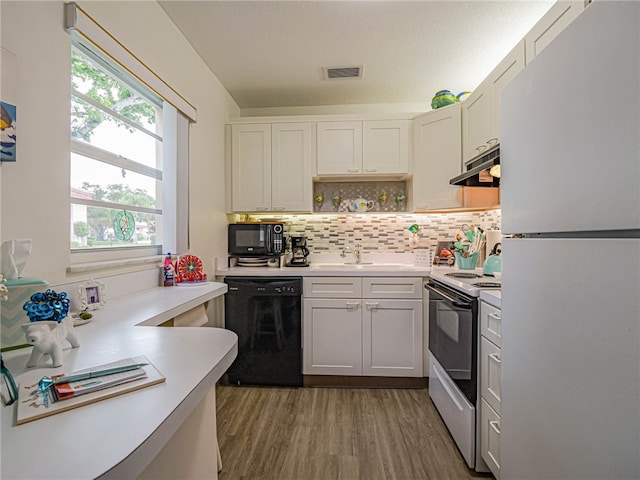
column 467, row 263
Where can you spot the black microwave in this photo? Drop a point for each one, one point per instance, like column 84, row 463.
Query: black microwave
column 253, row 239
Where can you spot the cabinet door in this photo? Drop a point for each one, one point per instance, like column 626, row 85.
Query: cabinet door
column 392, row 338
column 561, row 14
column 437, row 159
column 477, row 121
column 291, row 155
column 490, row 438
column 332, row 337
column 251, row 167
column 490, row 373
column 506, row 70
column 339, row 148
column 481, row 111
column 385, row 146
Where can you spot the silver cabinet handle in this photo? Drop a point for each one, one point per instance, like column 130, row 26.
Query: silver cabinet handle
column 492, row 141
column 495, row 316
column 279, row 208
column 352, row 306
column 371, row 169
column 262, row 209
column 353, row 170
column 372, row 305
column 496, row 358
column 481, row 148
column 495, row 425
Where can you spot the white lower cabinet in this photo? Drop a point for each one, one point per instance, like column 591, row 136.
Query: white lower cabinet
column 366, row 334
column 332, row 334
column 490, row 385
column 392, row 338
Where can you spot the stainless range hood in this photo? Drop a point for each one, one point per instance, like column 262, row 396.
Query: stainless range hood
column 477, row 174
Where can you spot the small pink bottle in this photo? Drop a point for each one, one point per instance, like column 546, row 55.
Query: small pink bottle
column 169, row 272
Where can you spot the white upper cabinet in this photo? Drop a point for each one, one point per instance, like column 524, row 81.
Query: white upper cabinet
column 271, row 167
column 251, row 167
column 437, row 159
column 339, row 148
column 561, row 14
column 481, row 110
column 385, row 146
column 363, row 147
column 291, row 161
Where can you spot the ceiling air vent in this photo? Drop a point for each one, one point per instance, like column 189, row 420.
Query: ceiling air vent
column 337, row 73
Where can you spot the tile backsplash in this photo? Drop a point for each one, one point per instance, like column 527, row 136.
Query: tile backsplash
column 382, row 232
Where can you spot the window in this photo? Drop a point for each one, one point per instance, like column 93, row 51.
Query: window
column 116, row 158
column 129, row 153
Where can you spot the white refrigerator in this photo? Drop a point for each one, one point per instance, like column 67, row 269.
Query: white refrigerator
column 570, row 154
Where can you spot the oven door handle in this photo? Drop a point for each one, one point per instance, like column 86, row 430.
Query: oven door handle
column 455, row 302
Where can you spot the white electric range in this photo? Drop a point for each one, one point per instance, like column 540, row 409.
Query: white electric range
column 469, row 282
column 453, row 354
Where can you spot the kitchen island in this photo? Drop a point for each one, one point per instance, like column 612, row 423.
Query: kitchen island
column 162, row 431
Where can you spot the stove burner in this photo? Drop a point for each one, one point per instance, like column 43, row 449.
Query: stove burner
column 463, row 275
column 487, row 284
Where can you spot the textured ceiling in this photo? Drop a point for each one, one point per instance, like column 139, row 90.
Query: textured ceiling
column 271, row 53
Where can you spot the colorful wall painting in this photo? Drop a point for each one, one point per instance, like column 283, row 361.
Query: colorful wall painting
column 8, row 133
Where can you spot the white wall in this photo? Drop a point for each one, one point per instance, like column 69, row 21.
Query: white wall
column 374, row 108
column 35, row 190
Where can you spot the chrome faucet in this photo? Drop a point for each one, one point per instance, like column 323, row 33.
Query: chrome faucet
column 356, row 250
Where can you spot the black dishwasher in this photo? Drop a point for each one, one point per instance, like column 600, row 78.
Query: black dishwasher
column 266, row 314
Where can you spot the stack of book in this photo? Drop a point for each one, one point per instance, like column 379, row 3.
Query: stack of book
column 46, row 396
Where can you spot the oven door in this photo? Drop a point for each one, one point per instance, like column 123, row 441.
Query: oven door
column 453, row 331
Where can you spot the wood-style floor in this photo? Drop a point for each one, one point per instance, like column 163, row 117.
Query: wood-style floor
column 334, row 433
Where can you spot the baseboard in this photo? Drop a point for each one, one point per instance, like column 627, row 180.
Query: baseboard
column 364, row 382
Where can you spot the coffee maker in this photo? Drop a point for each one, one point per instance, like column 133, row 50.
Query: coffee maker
column 299, row 251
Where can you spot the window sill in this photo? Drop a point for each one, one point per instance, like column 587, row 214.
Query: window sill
column 148, row 262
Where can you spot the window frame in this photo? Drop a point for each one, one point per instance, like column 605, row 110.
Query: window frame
column 174, row 202
column 88, row 150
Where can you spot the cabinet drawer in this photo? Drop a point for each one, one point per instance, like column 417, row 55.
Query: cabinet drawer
column 490, row 438
column 332, row 287
column 490, row 373
column 392, row 287
column 491, row 323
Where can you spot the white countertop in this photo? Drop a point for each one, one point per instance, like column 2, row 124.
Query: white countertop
column 492, row 297
column 118, row 437
column 329, row 270
column 334, row 265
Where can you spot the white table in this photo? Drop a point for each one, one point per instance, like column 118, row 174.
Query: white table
column 122, row 436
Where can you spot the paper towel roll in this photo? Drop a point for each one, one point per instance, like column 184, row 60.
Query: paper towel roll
column 493, row 237
column 196, row 317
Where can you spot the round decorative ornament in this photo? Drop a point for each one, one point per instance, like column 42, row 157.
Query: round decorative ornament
column 124, row 225
column 189, row 270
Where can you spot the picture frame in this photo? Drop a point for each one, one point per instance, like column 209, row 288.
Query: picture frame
column 91, row 295
column 440, row 260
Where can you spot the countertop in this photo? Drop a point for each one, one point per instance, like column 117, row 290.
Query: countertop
column 333, row 265
column 492, row 297
column 325, row 270
column 118, row 437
